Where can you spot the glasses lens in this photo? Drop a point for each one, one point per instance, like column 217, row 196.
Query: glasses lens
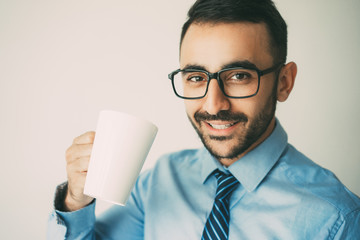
column 240, row 82
column 190, row 84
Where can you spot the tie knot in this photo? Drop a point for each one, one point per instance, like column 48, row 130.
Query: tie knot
column 226, row 185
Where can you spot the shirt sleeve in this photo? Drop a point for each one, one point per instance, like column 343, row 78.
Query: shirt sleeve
column 119, row 222
column 70, row 225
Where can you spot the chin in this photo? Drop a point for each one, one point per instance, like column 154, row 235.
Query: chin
column 224, row 149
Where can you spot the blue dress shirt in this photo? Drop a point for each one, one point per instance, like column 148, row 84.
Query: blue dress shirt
column 282, row 195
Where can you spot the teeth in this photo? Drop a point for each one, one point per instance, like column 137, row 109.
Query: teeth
column 221, row 126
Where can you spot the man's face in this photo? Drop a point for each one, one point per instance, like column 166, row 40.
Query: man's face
column 230, row 127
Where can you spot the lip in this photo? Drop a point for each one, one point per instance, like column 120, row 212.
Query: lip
column 220, row 127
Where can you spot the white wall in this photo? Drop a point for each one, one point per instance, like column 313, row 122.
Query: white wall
column 61, row 62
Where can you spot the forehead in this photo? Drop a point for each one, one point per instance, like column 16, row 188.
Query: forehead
column 215, row 45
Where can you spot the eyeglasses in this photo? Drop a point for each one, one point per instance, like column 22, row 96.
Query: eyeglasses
column 237, row 82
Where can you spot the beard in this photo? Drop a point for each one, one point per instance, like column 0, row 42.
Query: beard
column 252, row 130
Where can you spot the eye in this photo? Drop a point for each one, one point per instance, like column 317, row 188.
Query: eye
column 240, row 75
column 195, row 77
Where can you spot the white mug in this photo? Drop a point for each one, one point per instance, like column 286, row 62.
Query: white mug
column 121, row 145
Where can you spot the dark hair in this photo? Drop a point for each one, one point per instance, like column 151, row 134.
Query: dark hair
column 231, row 11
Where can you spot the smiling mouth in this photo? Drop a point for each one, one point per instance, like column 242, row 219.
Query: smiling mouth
column 222, row 126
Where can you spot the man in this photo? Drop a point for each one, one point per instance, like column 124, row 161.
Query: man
column 247, row 182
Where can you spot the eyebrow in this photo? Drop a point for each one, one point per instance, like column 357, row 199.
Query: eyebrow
column 194, row 66
column 244, row 64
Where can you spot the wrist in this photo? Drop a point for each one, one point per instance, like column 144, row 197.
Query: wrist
column 72, row 204
column 64, row 202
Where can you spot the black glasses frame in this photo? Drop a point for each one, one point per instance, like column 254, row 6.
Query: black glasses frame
column 216, row 76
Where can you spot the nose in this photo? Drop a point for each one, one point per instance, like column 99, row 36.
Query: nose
column 215, row 100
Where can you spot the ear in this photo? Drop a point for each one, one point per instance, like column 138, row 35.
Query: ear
column 286, row 81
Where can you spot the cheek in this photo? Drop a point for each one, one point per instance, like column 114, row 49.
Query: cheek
column 249, row 106
column 191, row 107
column 264, row 96
column 246, row 106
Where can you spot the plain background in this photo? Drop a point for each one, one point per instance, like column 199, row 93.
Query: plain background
column 61, row 62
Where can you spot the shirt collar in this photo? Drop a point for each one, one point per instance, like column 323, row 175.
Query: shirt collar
column 252, row 168
column 209, row 164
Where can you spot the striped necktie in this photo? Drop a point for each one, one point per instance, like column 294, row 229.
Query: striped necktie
column 217, row 224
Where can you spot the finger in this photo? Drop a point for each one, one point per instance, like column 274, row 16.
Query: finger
column 85, row 138
column 77, row 181
column 81, row 166
column 75, row 152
